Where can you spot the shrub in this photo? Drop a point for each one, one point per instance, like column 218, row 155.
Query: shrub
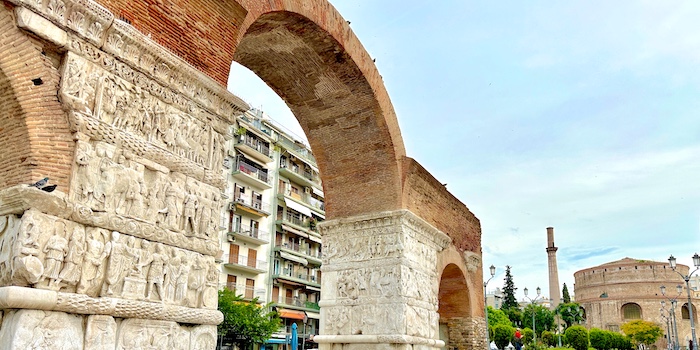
column 502, row 334
column 528, row 336
column 547, row 338
column 600, row 339
column 620, row 342
column 577, row 337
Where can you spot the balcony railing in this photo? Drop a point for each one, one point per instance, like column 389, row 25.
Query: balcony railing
column 252, row 203
column 305, row 249
column 252, row 171
column 298, row 150
column 304, row 198
column 255, row 143
column 248, row 231
column 300, row 275
column 246, row 291
column 293, row 167
column 244, row 261
column 296, row 301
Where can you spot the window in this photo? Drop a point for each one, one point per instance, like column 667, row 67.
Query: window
column 686, row 315
column 631, row 311
column 231, row 282
column 249, row 288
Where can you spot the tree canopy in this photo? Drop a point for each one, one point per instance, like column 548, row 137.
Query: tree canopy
column 642, row 332
column 565, row 297
column 497, row 317
column 245, row 323
column 544, row 319
column 570, row 313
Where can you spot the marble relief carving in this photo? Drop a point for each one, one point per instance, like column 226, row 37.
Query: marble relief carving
column 46, row 252
column 112, row 180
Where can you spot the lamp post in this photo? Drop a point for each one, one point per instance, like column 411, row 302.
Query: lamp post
column 672, row 312
column 532, row 302
column 303, row 340
column 686, row 278
column 662, row 311
column 492, row 271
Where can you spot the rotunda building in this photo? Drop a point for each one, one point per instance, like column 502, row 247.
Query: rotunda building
column 617, row 292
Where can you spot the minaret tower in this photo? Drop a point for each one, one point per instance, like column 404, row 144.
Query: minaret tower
column 554, row 292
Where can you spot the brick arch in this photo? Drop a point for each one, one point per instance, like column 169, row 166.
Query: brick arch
column 34, row 132
column 453, row 295
column 334, row 90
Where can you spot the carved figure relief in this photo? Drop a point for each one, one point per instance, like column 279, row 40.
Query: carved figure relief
column 121, row 257
column 55, row 251
column 93, row 271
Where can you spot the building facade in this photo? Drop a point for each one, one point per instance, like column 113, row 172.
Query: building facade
column 621, row 291
column 271, row 247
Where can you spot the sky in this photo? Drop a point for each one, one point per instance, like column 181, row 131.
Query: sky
column 580, row 115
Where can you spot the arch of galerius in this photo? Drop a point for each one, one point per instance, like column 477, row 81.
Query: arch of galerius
column 122, row 105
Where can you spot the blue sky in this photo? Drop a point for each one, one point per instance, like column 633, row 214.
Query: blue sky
column 581, row 115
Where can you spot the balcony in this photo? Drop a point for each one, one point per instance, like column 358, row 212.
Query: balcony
column 250, row 235
column 251, row 206
column 242, row 263
column 251, row 175
column 311, row 255
column 253, row 147
column 298, row 151
column 295, row 173
column 296, row 303
column 297, row 277
column 247, row 292
column 306, row 199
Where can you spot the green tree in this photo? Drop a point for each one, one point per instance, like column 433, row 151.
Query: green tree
column 502, row 334
column 497, row 316
column 600, row 339
column 515, row 315
column 570, row 313
column 642, row 332
column 577, row 337
column 566, row 298
column 245, row 323
column 544, row 319
column 509, row 289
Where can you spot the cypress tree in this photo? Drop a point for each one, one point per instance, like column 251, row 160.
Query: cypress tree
column 566, row 298
column 509, row 289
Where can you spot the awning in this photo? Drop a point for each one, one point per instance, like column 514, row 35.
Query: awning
column 323, row 217
column 315, row 239
column 298, row 207
column 276, row 341
column 295, row 231
column 294, row 258
column 317, row 191
column 286, row 313
column 313, row 288
column 315, row 315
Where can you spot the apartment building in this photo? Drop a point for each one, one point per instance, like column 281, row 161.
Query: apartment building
column 271, row 246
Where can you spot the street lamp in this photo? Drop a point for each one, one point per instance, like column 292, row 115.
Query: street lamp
column 532, row 302
column 662, row 310
column 672, row 312
column 492, row 270
column 303, row 340
column 686, row 278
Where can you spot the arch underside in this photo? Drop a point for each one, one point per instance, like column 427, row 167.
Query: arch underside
column 356, row 148
column 453, row 297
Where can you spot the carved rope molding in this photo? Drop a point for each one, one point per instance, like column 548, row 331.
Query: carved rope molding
column 97, row 25
column 14, row 297
column 16, row 200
